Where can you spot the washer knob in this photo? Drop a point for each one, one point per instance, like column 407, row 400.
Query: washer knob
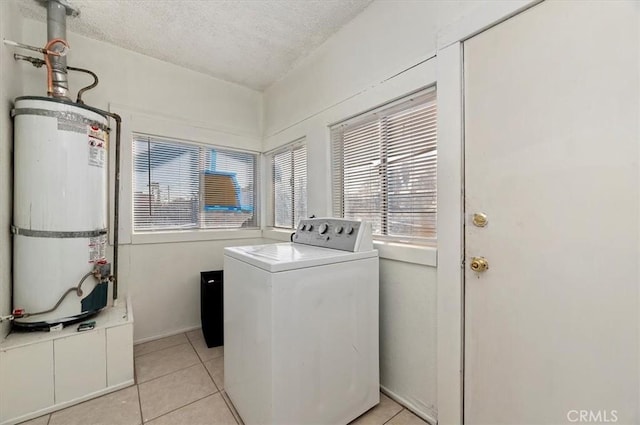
column 304, row 226
column 350, row 230
column 338, row 230
column 310, row 227
column 323, row 228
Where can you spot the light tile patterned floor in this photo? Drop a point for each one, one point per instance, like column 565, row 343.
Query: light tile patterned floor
column 179, row 381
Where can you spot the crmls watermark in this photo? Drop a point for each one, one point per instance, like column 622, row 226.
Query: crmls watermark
column 592, row 416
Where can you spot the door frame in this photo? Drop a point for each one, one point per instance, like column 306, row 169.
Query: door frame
column 450, row 182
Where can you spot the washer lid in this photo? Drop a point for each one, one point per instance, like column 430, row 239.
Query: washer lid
column 289, row 256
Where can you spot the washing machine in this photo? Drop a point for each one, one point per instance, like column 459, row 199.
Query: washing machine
column 301, row 326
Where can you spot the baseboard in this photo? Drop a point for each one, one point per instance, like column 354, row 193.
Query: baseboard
column 408, row 405
column 171, row 333
column 69, row 403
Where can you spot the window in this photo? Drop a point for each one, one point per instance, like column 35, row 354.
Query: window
column 289, row 185
column 384, row 169
column 178, row 185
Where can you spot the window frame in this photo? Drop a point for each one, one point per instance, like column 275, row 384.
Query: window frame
column 196, row 233
column 270, row 155
column 373, row 115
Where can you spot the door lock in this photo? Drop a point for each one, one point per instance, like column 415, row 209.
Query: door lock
column 479, row 264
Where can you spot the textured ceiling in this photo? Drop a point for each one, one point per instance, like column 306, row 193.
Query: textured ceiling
column 253, row 43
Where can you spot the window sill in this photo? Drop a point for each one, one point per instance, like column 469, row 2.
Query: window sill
column 416, row 254
column 193, row 236
column 277, row 234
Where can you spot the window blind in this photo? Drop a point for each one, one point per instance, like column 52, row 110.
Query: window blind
column 384, row 168
column 180, row 185
column 289, row 185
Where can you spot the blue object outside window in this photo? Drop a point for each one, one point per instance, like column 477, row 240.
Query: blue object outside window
column 213, row 158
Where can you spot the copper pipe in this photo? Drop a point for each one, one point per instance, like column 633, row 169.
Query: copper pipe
column 48, row 63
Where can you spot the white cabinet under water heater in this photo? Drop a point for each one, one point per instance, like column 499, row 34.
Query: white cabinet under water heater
column 301, row 326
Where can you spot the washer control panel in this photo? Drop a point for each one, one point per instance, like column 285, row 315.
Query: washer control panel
column 335, row 233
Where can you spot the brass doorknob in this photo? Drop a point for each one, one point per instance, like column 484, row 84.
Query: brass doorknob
column 479, row 264
column 480, row 219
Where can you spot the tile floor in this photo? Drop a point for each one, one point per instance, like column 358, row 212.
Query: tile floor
column 179, row 381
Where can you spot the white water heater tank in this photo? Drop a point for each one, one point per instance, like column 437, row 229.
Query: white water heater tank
column 60, row 209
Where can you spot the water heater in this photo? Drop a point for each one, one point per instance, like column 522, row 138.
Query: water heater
column 60, row 211
column 60, row 199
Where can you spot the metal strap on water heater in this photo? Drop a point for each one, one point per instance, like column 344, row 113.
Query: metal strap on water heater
column 57, row 234
column 67, row 116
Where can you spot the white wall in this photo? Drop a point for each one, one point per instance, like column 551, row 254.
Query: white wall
column 165, row 282
column 384, row 53
column 407, row 333
column 163, row 99
column 10, row 82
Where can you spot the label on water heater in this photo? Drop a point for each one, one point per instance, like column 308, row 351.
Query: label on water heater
column 68, row 125
column 97, row 146
column 96, row 157
column 97, row 152
column 97, row 249
column 95, row 132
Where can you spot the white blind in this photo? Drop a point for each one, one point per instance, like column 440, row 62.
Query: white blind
column 180, row 185
column 289, row 185
column 384, row 168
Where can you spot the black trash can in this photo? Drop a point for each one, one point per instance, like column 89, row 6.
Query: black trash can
column 211, row 307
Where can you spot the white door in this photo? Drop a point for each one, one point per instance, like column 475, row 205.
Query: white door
column 551, row 158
